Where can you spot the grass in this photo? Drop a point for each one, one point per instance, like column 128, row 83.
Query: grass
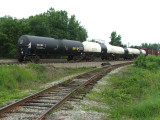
column 16, row 80
column 132, row 93
column 133, row 96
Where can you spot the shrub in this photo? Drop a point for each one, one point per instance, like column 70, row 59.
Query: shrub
column 149, row 62
column 37, row 67
column 12, row 77
column 140, row 61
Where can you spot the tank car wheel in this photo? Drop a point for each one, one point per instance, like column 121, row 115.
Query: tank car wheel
column 37, row 59
column 34, row 59
column 78, row 58
column 89, row 58
column 70, row 58
column 75, row 58
column 31, row 59
column 20, row 59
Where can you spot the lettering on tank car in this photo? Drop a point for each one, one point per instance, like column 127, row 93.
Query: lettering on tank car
column 40, row 46
column 55, row 48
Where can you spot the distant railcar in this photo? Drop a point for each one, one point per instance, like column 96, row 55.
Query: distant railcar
column 158, row 52
column 152, row 51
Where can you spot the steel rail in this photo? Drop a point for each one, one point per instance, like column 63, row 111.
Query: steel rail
column 22, row 101
column 58, row 104
column 81, row 86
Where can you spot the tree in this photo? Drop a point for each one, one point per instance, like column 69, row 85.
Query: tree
column 58, row 23
column 115, row 40
column 135, row 46
column 93, row 40
column 3, row 41
column 150, row 46
column 47, row 24
column 38, row 25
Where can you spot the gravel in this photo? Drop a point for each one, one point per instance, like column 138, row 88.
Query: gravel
column 84, row 64
column 78, row 112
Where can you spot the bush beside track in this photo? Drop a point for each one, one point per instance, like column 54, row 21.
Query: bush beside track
column 131, row 93
column 19, row 81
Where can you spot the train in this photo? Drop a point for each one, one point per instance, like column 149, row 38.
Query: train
column 32, row 48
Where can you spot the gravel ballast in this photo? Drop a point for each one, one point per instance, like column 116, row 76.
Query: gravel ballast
column 78, row 111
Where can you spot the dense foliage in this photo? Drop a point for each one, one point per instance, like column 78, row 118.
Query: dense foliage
column 47, row 24
column 115, row 40
column 150, row 46
column 132, row 93
column 149, row 62
column 19, row 81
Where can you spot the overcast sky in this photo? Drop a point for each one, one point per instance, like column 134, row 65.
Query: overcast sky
column 137, row 21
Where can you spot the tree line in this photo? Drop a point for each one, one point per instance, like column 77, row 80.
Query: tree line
column 155, row 46
column 116, row 40
column 47, row 24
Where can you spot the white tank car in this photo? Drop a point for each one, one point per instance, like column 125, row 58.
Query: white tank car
column 109, row 48
column 133, row 51
column 114, row 49
column 117, row 50
column 91, row 47
column 143, row 52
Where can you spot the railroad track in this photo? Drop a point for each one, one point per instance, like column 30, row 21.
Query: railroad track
column 42, row 61
column 37, row 106
column 47, row 61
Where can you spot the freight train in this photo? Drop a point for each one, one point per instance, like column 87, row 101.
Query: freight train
column 31, row 48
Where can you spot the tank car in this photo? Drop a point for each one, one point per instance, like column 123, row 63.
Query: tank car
column 115, row 52
column 92, row 49
column 133, row 53
column 142, row 51
column 47, row 46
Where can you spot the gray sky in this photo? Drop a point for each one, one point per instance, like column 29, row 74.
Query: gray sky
column 137, row 21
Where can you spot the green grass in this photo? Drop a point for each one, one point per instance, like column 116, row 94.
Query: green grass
column 13, row 76
column 16, row 80
column 133, row 96
column 132, row 93
column 150, row 62
column 37, row 67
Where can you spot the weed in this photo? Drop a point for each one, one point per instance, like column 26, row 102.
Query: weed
column 136, row 96
column 133, row 93
column 149, row 62
column 37, row 67
column 15, row 80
